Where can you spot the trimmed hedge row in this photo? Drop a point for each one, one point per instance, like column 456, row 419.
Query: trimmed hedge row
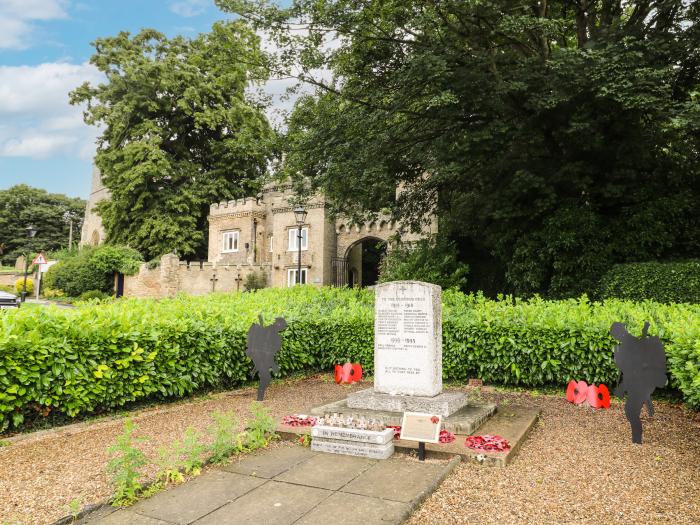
column 665, row 282
column 104, row 355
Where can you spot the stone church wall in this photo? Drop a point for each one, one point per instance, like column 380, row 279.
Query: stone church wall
column 193, row 278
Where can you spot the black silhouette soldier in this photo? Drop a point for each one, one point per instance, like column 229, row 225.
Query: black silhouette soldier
column 263, row 344
column 642, row 362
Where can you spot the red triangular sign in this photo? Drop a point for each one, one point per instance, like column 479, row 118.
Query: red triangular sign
column 40, row 259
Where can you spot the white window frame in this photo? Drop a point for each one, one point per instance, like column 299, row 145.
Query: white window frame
column 293, row 237
column 292, row 276
column 235, row 235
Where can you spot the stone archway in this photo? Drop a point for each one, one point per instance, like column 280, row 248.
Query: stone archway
column 362, row 259
column 95, row 238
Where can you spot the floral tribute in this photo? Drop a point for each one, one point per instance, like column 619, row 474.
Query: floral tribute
column 298, row 420
column 487, row 443
column 578, row 392
column 445, row 435
column 348, row 373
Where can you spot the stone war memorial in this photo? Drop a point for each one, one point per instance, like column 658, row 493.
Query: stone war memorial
column 407, row 378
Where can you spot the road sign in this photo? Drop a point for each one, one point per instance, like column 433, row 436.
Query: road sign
column 40, row 259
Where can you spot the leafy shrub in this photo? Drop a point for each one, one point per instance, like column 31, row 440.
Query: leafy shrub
column 50, row 293
column 125, row 465
column 255, row 280
column 665, row 282
column 100, row 356
column 92, row 269
column 19, row 285
column 93, row 294
column 427, row 260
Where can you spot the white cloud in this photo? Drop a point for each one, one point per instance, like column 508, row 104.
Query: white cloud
column 37, row 119
column 284, row 92
column 16, row 17
column 36, row 146
column 190, row 8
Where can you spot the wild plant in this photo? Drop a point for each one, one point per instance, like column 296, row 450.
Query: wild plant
column 261, row 429
column 124, row 467
column 226, row 441
column 184, row 456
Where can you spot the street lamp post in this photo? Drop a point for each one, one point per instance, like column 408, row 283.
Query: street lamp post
column 300, row 216
column 31, row 232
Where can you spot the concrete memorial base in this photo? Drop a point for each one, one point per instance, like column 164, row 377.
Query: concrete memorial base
column 444, row 404
column 464, row 421
column 353, row 442
column 351, row 448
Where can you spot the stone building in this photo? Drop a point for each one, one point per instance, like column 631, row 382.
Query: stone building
column 93, row 232
column 260, row 235
column 263, row 232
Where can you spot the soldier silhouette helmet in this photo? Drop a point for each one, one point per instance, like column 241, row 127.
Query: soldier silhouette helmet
column 642, row 363
column 262, row 346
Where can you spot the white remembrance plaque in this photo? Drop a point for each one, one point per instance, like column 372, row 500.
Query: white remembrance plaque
column 408, row 339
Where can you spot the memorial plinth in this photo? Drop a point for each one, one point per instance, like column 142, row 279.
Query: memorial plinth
column 408, row 352
column 443, row 404
column 407, row 366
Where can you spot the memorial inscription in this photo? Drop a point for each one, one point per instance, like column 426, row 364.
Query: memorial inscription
column 408, row 339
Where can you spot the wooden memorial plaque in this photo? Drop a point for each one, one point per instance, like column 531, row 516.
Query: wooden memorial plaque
column 418, row 426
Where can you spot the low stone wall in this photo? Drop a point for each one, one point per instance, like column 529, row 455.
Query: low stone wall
column 8, row 279
column 194, row 278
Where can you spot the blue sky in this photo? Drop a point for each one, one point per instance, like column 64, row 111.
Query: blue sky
column 44, row 53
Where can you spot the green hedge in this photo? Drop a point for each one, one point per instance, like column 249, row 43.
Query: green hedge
column 664, row 282
column 102, row 356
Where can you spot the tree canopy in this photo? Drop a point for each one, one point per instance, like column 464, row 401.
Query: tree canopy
column 22, row 206
column 553, row 138
column 179, row 132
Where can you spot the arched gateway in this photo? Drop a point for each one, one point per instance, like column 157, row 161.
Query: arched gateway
column 359, row 252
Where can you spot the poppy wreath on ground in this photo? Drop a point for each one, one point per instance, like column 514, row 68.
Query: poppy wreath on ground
column 297, row 420
column 579, row 391
column 348, row 373
column 487, row 443
column 396, row 429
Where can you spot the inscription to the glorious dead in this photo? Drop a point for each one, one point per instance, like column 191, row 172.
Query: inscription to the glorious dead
column 408, row 339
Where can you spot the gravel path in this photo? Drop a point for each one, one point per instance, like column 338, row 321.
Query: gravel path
column 578, row 464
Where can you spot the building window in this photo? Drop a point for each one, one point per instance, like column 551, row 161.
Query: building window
column 294, row 239
column 272, row 243
column 292, row 276
column 230, row 242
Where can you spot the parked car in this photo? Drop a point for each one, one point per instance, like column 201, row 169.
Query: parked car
column 7, row 300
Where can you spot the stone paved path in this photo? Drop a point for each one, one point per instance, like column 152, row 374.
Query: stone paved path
column 291, row 485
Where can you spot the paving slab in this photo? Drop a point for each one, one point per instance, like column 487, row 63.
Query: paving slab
column 327, row 471
column 351, row 509
column 397, row 480
column 274, row 503
column 315, row 488
column 204, row 494
column 269, row 463
column 127, row 517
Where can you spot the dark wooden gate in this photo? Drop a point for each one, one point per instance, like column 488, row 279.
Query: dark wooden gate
column 339, row 268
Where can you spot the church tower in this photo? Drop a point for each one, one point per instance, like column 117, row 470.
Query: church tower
column 93, row 232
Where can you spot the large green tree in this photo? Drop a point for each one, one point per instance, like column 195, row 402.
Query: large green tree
column 179, row 131
column 50, row 213
column 553, row 138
